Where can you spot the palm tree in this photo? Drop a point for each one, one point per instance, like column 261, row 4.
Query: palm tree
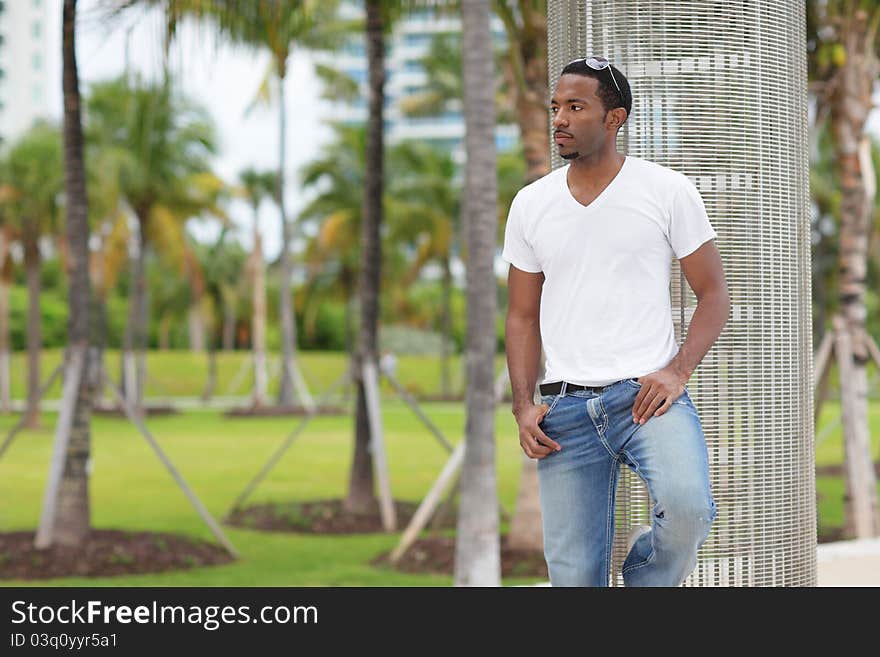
column 477, row 550
column 109, row 253
column 333, row 218
column 277, row 26
column 361, row 498
column 258, row 186
column 418, row 220
column 845, row 66
column 71, row 522
column 825, row 194
column 222, row 265
column 443, row 85
column 163, row 144
column 5, row 284
column 524, row 67
column 205, row 196
column 424, row 212
column 170, row 296
column 33, row 182
column 525, row 24
column 520, row 99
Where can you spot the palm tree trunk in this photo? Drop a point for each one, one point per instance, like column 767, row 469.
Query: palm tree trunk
column 165, row 332
column 196, row 326
column 34, row 325
column 72, row 519
column 195, row 312
column 850, row 105
column 530, row 51
column 446, row 331
column 348, row 283
column 134, row 366
column 288, row 326
column 527, row 37
column 477, row 546
column 99, row 344
column 820, row 303
column 211, row 383
column 526, row 527
column 361, row 497
column 126, row 362
column 228, row 326
column 258, row 322
column 532, row 115
column 5, row 284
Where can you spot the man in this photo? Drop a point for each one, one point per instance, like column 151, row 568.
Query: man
column 590, row 247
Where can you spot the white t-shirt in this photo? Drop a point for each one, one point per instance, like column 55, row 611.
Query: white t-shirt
column 606, row 312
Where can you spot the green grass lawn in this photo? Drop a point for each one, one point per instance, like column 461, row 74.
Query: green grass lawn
column 131, row 490
column 217, row 456
column 184, row 373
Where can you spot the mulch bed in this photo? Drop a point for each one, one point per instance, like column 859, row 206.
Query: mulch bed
column 105, row 552
column 439, row 398
column 830, row 535
column 430, row 554
column 277, row 411
column 113, row 410
column 324, row 517
column 836, row 470
column 436, row 554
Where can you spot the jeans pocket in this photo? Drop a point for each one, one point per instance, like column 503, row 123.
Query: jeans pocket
column 552, row 400
column 684, row 399
column 634, row 383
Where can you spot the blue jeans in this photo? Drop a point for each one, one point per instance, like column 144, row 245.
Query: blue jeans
column 578, row 485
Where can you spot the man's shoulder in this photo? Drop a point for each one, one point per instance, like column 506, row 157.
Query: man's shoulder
column 547, row 183
column 669, row 177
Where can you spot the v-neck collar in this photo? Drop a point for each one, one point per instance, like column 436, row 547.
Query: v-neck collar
column 602, row 195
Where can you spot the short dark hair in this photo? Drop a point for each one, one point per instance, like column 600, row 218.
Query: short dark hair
column 606, row 91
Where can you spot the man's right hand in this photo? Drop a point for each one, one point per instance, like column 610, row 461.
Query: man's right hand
column 535, row 443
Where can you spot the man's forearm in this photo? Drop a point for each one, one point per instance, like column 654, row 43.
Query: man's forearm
column 705, row 327
column 523, row 346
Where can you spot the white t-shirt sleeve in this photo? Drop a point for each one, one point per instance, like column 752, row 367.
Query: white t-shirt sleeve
column 517, row 250
column 689, row 226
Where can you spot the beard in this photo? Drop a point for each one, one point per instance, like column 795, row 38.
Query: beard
column 570, row 156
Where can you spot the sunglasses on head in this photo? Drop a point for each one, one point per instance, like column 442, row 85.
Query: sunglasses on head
column 599, row 63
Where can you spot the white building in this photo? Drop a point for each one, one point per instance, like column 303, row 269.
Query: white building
column 405, row 76
column 26, row 74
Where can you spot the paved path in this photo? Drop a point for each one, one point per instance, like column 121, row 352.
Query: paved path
column 849, row 563
column 844, row 563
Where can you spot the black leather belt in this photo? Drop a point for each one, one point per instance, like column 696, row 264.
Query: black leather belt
column 556, row 387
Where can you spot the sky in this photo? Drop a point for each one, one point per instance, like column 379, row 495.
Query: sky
column 224, row 80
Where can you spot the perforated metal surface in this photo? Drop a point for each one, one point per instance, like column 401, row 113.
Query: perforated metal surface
column 719, row 93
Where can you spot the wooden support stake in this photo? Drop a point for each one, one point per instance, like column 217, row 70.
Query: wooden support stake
column 821, row 360
column 426, row 508
column 822, row 374
column 129, row 368
column 501, row 382
column 72, row 380
column 235, row 383
column 199, row 507
column 445, row 507
column 302, row 390
column 859, row 473
column 872, row 348
column 20, row 424
column 273, row 460
column 405, row 396
column 370, row 376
